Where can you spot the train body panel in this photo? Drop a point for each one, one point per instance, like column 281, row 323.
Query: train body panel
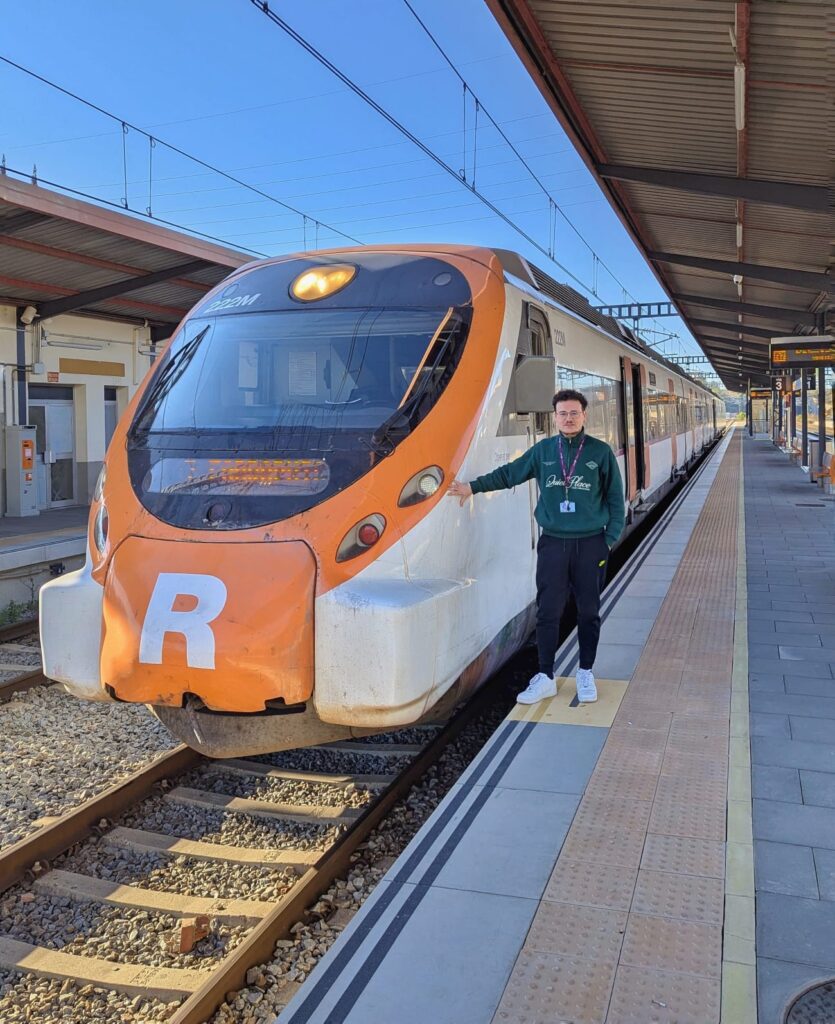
column 373, row 600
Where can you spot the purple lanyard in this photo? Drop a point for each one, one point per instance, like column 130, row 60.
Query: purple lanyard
column 566, row 476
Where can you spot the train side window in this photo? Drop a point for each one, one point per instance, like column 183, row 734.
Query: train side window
column 540, row 346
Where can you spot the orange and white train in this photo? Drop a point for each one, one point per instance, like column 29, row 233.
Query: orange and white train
column 271, row 560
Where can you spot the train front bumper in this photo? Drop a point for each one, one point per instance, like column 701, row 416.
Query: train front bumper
column 70, row 612
column 387, row 649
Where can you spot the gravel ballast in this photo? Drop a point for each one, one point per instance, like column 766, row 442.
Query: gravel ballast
column 26, row 999
column 278, row 791
column 57, row 751
column 121, row 934
column 207, row 825
column 187, row 876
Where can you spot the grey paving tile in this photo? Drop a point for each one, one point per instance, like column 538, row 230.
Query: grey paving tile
column 827, row 617
column 617, row 660
column 770, row 783
column 769, row 615
column 639, row 606
column 792, row 753
column 556, row 759
column 802, row 705
column 811, row 687
column 786, row 869
column 792, row 653
column 769, row 725
column 825, row 865
column 812, row 629
column 797, row 930
column 625, row 630
column 780, row 822
column 469, row 960
column 813, row 730
column 761, row 650
column 818, row 788
column 510, row 868
column 780, row 983
column 759, row 682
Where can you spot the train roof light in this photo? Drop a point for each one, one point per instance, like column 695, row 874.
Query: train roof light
column 320, row 282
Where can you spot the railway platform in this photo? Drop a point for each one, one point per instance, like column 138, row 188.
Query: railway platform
column 31, row 546
column 666, row 854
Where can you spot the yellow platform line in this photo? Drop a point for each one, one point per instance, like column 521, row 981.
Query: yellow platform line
column 558, row 710
column 739, row 959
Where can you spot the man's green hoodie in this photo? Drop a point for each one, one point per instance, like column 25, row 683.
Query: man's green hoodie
column 595, row 487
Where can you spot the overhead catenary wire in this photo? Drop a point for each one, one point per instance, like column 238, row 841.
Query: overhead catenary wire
column 597, row 262
column 129, row 126
column 119, row 206
column 264, row 7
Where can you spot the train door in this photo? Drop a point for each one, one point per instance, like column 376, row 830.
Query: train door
column 634, row 421
column 541, row 423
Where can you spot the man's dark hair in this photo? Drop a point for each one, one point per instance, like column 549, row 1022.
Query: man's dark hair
column 569, row 395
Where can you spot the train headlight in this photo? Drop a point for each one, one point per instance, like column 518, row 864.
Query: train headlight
column 421, row 486
column 100, row 527
column 320, row 282
column 97, row 492
column 361, row 537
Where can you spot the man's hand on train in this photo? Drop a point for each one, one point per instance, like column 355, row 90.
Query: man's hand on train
column 460, row 491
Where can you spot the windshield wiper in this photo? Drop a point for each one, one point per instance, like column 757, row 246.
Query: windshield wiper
column 400, row 421
column 168, row 378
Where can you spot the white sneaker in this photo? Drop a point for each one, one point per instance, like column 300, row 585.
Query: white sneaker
column 586, row 690
column 540, row 687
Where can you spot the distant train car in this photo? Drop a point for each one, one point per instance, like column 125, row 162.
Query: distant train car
column 271, row 561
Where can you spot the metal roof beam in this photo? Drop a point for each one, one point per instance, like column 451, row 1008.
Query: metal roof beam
column 638, row 310
column 755, row 332
column 111, row 291
column 750, row 344
column 757, row 271
column 775, row 193
column 20, row 221
column 783, row 314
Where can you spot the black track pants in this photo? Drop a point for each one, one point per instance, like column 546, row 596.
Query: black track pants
column 564, row 565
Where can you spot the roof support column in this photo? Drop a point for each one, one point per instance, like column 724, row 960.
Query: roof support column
column 22, row 410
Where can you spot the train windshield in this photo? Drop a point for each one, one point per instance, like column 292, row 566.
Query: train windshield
column 255, row 416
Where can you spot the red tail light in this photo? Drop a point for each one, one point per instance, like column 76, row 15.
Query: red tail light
column 361, row 537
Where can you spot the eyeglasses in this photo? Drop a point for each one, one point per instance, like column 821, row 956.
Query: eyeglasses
column 567, row 415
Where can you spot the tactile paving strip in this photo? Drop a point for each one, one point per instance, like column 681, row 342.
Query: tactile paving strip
column 663, row 894
column 684, row 855
column 661, row 944
column 642, row 996
column 621, row 784
column 617, row 812
column 577, row 931
column 575, row 881
column 597, row 844
column 547, row 989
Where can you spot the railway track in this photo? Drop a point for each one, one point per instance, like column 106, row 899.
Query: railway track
column 20, row 658
column 351, row 804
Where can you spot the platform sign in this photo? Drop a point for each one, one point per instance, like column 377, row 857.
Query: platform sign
column 801, row 352
column 759, row 393
column 811, row 382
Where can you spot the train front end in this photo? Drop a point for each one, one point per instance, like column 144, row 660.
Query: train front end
column 300, row 423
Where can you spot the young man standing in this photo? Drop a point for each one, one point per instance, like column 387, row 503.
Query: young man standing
column 581, row 512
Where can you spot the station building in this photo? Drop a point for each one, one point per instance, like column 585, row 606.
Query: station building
column 86, row 296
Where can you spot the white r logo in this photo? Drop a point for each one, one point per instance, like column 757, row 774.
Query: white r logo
column 161, row 618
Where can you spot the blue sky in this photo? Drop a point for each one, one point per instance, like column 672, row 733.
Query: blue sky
column 218, row 80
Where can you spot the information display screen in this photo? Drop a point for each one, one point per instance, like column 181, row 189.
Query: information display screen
column 796, row 353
